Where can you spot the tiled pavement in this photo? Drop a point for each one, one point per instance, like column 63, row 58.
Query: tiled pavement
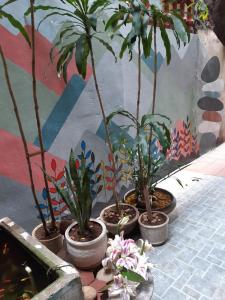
column 191, row 265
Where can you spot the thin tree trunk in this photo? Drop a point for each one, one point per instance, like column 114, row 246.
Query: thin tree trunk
column 140, row 177
column 153, row 111
column 155, row 72
column 36, row 107
column 23, row 139
column 105, row 124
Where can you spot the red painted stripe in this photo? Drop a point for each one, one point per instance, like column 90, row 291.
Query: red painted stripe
column 13, row 163
column 20, row 54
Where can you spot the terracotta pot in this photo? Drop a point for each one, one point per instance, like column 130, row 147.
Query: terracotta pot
column 167, row 209
column 157, row 234
column 53, row 244
column 127, row 228
column 87, row 255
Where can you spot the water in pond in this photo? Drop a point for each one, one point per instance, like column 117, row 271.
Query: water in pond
column 21, row 274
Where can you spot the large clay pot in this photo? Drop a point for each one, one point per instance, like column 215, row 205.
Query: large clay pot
column 87, row 255
column 155, row 234
column 127, row 228
column 167, row 209
column 54, row 244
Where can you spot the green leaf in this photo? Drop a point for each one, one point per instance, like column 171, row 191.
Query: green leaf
column 166, row 41
column 184, row 25
column 123, row 113
column 107, row 46
column 97, row 4
column 132, row 276
column 113, row 20
column 45, row 7
column 179, row 28
column 81, row 54
column 16, row 24
column 93, row 21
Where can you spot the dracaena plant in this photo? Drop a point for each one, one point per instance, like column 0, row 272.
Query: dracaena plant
column 31, row 41
column 79, row 29
column 153, row 128
column 82, row 184
column 143, row 19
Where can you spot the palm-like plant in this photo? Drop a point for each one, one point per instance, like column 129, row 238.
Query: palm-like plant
column 78, row 191
column 144, row 18
column 151, row 129
column 80, row 29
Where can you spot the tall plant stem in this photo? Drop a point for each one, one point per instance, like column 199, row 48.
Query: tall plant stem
column 105, row 124
column 23, row 138
column 36, row 107
column 141, row 189
column 153, row 95
column 155, row 71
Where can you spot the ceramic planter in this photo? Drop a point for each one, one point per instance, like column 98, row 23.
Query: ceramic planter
column 54, row 244
column 87, row 255
column 157, row 234
column 127, row 228
column 167, row 209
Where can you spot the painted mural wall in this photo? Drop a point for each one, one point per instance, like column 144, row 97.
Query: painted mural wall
column 190, row 91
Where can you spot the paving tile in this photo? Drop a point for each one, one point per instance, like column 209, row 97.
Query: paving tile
column 214, row 260
column 203, row 286
column 218, row 254
column 187, row 255
column 161, row 282
column 173, row 294
column 215, row 274
column 190, row 292
column 219, row 294
column 199, row 263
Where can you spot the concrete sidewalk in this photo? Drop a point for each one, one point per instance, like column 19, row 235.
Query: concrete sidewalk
column 191, row 265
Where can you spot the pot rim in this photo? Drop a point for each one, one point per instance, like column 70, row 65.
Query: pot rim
column 104, row 231
column 157, row 188
column 128, row 223
column 44, row 240
column 155, row 226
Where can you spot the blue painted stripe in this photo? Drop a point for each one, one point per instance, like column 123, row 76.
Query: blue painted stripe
column 61, row 111
column 150, row 60
column 115, row 129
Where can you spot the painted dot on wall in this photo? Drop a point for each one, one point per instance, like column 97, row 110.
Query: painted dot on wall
column 207, row 142
column 211, row 70
column 210, row 104
column 212, row 116
column 207, row 126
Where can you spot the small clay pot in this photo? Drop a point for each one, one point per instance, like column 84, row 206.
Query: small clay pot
column 155, row 234
column 54, row 244
column 127, row 228
column 87, row 255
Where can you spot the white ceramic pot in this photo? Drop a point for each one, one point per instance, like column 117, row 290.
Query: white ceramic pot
column 127, row 228
column 87, row 255
column 53, row 244
column 157, row 234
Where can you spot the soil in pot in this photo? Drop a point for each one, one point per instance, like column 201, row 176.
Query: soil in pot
column 156, row 219
column 161, row 200
column 41, row 235
column 112, row 216
column 94, row 231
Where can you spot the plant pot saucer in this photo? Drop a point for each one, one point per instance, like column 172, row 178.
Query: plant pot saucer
column 166, row 205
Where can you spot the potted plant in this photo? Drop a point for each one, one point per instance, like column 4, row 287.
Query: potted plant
column 47, row 233
column 129, row 265
column 81, row 28
column 144, row 18
column 86, row 238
